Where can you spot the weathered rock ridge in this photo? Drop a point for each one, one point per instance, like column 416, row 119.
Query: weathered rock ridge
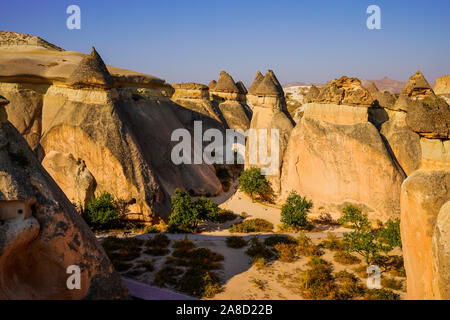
column 41, row 234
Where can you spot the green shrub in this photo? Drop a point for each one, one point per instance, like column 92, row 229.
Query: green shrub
column 276, row 239
column 225, row 215
column 363, row 238
column 346, row 258
column 390, row 234
column 235, row 242
column 253, row 182
column 252, row 225
column 295, row 211
column 101, row 213
column 188, row 213
column 381, row 294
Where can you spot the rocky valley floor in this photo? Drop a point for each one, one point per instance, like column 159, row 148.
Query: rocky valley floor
column 240, row 276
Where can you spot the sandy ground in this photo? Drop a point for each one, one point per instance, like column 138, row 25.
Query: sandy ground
column 240, row 279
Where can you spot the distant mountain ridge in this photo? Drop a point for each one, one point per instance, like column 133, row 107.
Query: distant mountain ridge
column 384, row 84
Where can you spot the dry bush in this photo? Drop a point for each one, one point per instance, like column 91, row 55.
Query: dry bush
column 259, row 250
column 381, row 294
column 286, row 252
column 343, row 257
column 392, row 283
column 160, row 240
column 252, row 225
column 317, row 282
column 276, row 239
column 198, row 283
column 305, row 247
column 235, row 242
column 167, row 276
column 332, row 243
column 349, row 285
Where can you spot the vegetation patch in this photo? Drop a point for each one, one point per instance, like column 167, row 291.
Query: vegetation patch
column 198, row 283
column 305, row 247
column 317, row 283
column 392, row 283
column 167, row 276
column 188, row 213
column 235, row 242
column 286, row 252
column 294, row 212
column 276, row 239
column 259, row 250
column 252, row 225
column 332, row 243
column 349, row 285
column 381, row 294
column 253, row 182
column 345, row 258
column 225, row 216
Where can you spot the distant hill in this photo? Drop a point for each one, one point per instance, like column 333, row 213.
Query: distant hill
column 386, row 84
column 300, row 84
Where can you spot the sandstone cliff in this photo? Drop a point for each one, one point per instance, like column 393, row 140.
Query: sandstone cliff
column 231, row 102
column 41, row 234
column 269, row 113
column 424, row 221
column 116, row 122
column 336, row 156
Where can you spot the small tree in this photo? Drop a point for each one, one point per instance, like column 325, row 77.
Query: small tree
column 101, row 213
column 390, row 234
column 295, row 211
column 253, row 182
column 363, row 238
column 188, row 213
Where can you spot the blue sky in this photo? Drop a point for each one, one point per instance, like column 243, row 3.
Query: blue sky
column 193, row 40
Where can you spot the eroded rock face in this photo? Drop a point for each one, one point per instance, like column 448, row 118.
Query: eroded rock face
column 417, row 87
column 429, row 117
column 441, row 254
column 423, row 194
column 41, row 234
column 116, row 122
column 404, row 143
column 384, row 99
column 194, row 96
column 268, row 118
column 442, row 85
column 72, row 176
column 340, row 163
column 347, row 91
column 25, row 108
column 231, row 103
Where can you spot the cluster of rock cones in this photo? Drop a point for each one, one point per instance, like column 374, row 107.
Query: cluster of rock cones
column 88, row 128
